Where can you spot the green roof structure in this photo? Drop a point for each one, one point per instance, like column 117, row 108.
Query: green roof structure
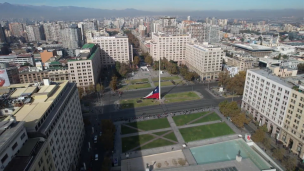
column 88, row 45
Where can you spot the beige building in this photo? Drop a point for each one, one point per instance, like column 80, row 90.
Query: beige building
column 242, row 61
column 204, row 59
column 169, row 47
column 53, row 119
column 52, row 74
column 279, row 103
column 86, row 67
column 283, row 71
column 114, row 49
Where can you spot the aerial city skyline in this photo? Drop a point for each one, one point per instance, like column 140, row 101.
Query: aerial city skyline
column 149, row 85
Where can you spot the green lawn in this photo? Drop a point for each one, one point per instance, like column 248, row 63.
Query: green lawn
column 205, row 131
column 170, row 98
column 170, row 136
column 129, row 143
column 132, row 103
column 135, row 86
column 183, row 119
column 165, row 83
column 137, row 81
column 151, row 124
column 166, row 78
column 127, row 130
column 181, row 97
column 157, row 143
column 211, row 117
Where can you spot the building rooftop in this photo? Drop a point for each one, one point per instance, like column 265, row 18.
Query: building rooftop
column 33, row 100
column 253, row 47
column 7, row 131
column 88, row 46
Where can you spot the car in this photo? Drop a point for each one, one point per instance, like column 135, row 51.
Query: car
column 95, row 139
column 100, row 133
column 96, row 156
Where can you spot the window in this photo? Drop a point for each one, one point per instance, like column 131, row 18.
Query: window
column 4, row 158
column 15, row 145
column 22, row 136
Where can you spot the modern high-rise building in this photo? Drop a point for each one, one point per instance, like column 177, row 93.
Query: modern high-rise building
column 114, row 49
column 212, row 33
column 71, row 37
column 52, row 117
column 16, row 29
column 204, row 59
column 197, row 31
column 86, row 67
column 35, row 33
column 169, row 47
column 279, row 103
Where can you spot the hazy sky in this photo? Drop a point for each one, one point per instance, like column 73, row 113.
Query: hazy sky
column 161, row 5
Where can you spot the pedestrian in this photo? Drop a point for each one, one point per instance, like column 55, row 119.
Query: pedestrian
column 172, row 148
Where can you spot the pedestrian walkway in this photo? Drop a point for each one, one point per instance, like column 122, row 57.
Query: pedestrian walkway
column 151, row 82
column 231, row 125
column 117, row 145
column 178, row 135
column 199, row 118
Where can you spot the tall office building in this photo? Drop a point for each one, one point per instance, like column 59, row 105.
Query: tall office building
column 86, row 68
column 35, row 33
column 16, row 29
column 197, row 31
column 52, row 117
column 114, row 49
column 2, row 35
column 279, row 103
column 204, row 59
column 169, row 47
column 71, row 37
column 212, row 33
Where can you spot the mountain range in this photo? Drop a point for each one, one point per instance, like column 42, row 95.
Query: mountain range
column 16, row 11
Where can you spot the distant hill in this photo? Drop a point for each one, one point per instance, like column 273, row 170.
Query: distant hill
column 15, row 11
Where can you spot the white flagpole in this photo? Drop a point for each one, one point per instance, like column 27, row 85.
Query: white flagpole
column 159, row 80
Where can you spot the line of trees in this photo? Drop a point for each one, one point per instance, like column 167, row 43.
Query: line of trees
column 188, row 75
column 234, row 84
column 132, row 39
column 121, row 69
column 232, row 110
column 148, row 58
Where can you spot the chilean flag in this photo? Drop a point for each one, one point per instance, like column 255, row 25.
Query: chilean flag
column 154, row 94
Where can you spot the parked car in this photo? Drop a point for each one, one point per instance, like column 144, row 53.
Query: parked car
column 95, row 139
column 96, row 156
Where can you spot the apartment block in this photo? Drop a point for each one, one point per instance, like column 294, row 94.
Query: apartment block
column 86, row 67
column 204, row 59
column 18, row 59
column 52, row 74
column 52, row 117
column 278, row 103
column 242, row 61
column 169, row 47
column 114, row 49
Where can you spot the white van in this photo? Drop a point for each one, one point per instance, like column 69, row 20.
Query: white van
column 95, row 139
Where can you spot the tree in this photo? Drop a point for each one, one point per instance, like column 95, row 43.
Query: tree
column 113, row 83
column 91, row 88
column 156, row 65
column 231, row 109
column 123, row 70
column 285, row 56
column 301, row 67
column 267, row 142
column 99, row 88
column 181, row 161
column 237, row 83
column 290, row 163
column 106, row 164
column 183, row 70
column 149, row 59
column 242, row 39
column 174, row 162
column 172, row 68
column 223, row 78
column 136, row 60
column 278, row 153
column 117, row 66
column 188, row 76
column 222, row 106
column 258, row 136
column 80, row 92
column 239, row 120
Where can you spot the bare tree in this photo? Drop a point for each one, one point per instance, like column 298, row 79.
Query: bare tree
column 158, row 165
column 181, row 161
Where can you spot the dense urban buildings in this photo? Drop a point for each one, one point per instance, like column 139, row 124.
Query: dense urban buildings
column 204, row 59
column 51, row 114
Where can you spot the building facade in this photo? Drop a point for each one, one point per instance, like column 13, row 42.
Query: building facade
column 204, row 59
column 52, row 74
column 278, row 103
column 86, row 68
column 114, row 49
column 169, row 47
column 71, row 37
column 18, row 59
